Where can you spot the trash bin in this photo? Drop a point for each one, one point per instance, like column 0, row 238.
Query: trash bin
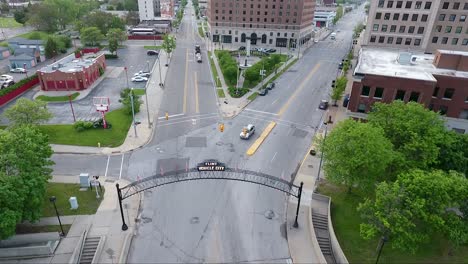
column 73, row 203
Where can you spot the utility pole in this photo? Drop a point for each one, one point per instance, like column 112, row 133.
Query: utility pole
column 321, row 155
column 133, row 112
column 238, row 65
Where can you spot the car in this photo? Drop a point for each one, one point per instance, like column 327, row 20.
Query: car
column 242, row 48
column 247, row 131
column 270, row 86
column 139, row 79
column 323, row 105
column 199, row 58
column 271, row 50
column 152, row 52
column 145, row 74
column 263, row 92
column 197, row 49
column 7, row 84
column 5, row 78
column 316, row 41
column 340, row 66
column 18, row 70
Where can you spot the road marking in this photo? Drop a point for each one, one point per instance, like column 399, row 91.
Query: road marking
column 187, row 120
column 185, row 82
column 274, row 101
column 163, row 117
column 257, row 111
column 197, row 107
column 274, row 156
column 301, row 86
column 107, row 166
column 121, row 166
column 260, row 140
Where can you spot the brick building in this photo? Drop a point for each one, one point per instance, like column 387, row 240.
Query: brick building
column 72, row 73
column 439, row 82
column 266, row 22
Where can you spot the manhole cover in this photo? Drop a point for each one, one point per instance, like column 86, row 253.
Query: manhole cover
column 269, row 214
column 194, row 220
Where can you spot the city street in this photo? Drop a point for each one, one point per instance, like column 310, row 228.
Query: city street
column 221, row 221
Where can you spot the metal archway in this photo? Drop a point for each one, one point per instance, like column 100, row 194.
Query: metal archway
column 195, row 174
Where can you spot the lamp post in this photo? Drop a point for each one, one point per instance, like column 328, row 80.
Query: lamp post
column 126, row 76
column 160, row 78
column 133, row 111
column 321, row 155
column 25, row 71
column 147, row 64
column 52, row 199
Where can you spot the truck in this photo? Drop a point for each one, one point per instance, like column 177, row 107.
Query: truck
column 333, row 35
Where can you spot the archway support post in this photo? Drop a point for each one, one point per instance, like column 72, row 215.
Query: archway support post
column 299, row 194
column 119, row 195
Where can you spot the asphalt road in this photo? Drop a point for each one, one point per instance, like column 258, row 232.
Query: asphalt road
column 221, row 221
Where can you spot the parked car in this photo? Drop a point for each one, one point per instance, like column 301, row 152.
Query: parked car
column 5, row 78
column 270, row 86
column 340, row 66
column 271, row 50
column 197, row 49
column 247, row 131
column 7, row 84
column 139, row 79
column 242, row 48
column 18, row 70
column 323, row 105
column 145, row 74
column 152, row 52
column 263, row 92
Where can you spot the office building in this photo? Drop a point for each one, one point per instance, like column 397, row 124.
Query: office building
column 155, row 9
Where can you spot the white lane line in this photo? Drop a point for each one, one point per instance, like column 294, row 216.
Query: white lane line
column 107, row 166
column 184, row 121
column 121, row 166
column 263, row 112
column 274, row 101
column 274, row 156
column 162, row 117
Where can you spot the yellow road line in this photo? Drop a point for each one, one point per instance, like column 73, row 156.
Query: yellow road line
column 197, row 107
column 260, row 140
column 301, row 86
column 185, row 82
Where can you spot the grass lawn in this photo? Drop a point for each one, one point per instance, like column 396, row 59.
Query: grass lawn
column 87, row 202
column 139, row 92
column 200, row 31
column 67, row 135
column 35, row 35
column 281, row 72
column 9, row 22
column 220, row 93
column 253, row 96
column 213, row 70
column 346, row 222
column 28, row 229
column 152, row 47
column 57, row 98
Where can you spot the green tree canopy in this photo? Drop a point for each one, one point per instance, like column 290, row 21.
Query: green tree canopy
column 44, row 17
column 168, row 45
column 453, row 153
column 66, row 11
column 356, row 153
column 102, row 20
column 51, row 48
column 20, row 15
column 27, row 112
column 114, row 37
column 91, row 36
column 338, row 90
column 125, row 99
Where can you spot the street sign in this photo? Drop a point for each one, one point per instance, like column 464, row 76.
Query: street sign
column 211, row 165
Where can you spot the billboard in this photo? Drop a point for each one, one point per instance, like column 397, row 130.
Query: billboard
column 167, row 8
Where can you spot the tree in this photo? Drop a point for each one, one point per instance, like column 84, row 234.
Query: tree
column 20, row 15
column 51, row 48
column 453, row 154
column 125, row 99
column 339, row 14
column 11, row 204
column 66, row 11
column 44, row 17
column 356, row 154
column 102, row 20
column 27, row 112
column 413, row 130
column 416, row 206
column 132, row 18
column 338, row 90
column 168, row 45
column 114, row 37
column 130, row 5
column 91, row 36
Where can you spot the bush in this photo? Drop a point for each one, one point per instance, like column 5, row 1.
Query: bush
column 228, row 66
column 242, row 91
column 101, row 71
column 65, row 40
column 17, row 85
column 111, row 56
column 81, row 126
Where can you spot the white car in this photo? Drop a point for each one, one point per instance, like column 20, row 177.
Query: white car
column 247, row 131
column 142, row 74
column 18, row 70
column 139, row 79
column 5, row 78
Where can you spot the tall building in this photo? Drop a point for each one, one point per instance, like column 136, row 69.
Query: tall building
column 155, row 9
column 265, row 22
column 418, row 25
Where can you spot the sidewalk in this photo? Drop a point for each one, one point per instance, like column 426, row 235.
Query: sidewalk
column 144, row 130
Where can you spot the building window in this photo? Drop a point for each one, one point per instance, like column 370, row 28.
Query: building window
column 409, row 4
column 390, row 4
column 458, row 30
column 441, row 17
column 438, row 28
column 435, row 39
column 452, row 17
column 456, row 5
column 396, row 17
column 381, row 3
column 408, row 41
column 414, row 17
column 402, row 29
column 445, row 5
column 361, row 108
column 390, row 40
column 400, row 95
column 463, row 114
column 436, row 92
column 448, row 29
column 448, row 94
column 372, row 39
column 443, row 110
column 399, row 4
column 417, row 42
column 378, row 92
column 399, row 40
column 365, row 91
column 420, row 30
column 387, row 16
column 465, row 42
column 462, row 18
column 392, row 28
column 381, row 39
column 428, row 5
column 424, row 18
column 405, row 17
column 411, row 29
column 384, row 28
column 454, row 41
column 414, row 96
column 444, row 40
column 418, row 5
column 465, row 6
column 375, row 27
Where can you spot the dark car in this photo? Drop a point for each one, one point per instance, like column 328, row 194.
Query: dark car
column 197, row 49
column 271, row 50
column 152, row 52
column 346, row 100
column 270, row 86
column 242, row 48
column 263, row 92
column 323, row 105
column 340, row 66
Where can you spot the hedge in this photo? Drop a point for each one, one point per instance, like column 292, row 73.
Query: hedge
column 111, row 56
column 17, row 85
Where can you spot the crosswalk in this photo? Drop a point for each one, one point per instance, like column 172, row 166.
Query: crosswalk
column 184, row 118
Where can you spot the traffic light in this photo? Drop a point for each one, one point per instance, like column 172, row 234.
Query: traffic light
column 167, row 116
column 221, row 127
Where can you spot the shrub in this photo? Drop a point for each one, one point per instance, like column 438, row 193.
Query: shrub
column 17, row 85
column 111, row 56
column 101, row 71
column 81, row 126
column 242, row 91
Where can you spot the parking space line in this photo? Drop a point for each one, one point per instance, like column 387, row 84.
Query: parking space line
column 107, row 166
column 121, row 166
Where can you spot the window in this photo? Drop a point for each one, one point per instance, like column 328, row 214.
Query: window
column 411, row 29
column 390, row 4
column 378, row 15
column 456, row 5
column 381, row 3
column 420, row 30
column 441, row 17
column 405, row 17
column 399, row 40
column 448, row 29
column 438, row 28
column 445, row 5
column 378, row 92
column 462, row 18
column 392, row 28
column 418, row 5
column 408, row 41
column 465, row 6
column 365, row 90
column 414, row 96
column 384, row 28
column 428, row 5
column 390, row 40
column 443, row 110
column 399, row 4
column 396, row 16
column 402, row 29
column 400, row 95
column 463, row 114
column 435, row 39
column 361, row 108
column 444, row 40
column 381, row 39
column 372, row 39
column 375, row 27
column 424, row 18
column 417, row 42
column 409, row 4
column 458, row 30
column 465, row 42
column 414, row 17
column 386, row 16
column 448, row 94
column 452, row 17
column 454, row 41
column 436, row 92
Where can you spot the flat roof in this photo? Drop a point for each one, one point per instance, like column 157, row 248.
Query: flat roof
column 386, row 62
column 72, row 64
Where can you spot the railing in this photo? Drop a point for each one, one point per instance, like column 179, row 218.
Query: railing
column 75, row 258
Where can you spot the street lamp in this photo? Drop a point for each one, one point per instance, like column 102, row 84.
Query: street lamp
column 52, row 199
column 126, row 76
column 321, row 155
column 133, row 111
column 160, row 78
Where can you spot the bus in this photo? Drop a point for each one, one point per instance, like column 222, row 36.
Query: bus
column 142, row 31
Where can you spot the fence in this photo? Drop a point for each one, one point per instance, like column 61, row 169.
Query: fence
column 145, row 37
column 20, row 90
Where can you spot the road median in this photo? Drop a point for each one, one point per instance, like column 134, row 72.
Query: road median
column 260, row 140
